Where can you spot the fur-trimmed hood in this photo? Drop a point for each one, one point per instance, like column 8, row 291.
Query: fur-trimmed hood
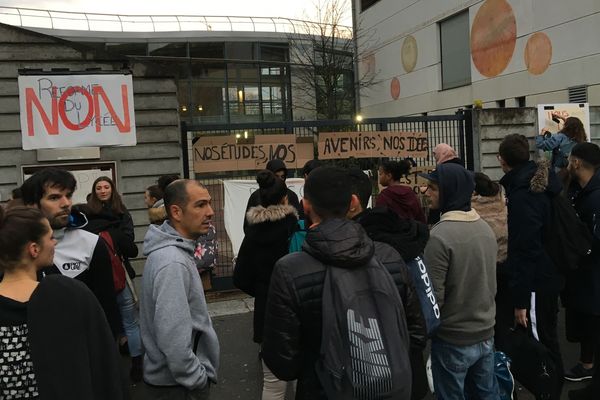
column 536, row 176
column 259, row 214
column 271, row 223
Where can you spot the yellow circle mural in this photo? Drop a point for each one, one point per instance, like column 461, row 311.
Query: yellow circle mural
column 409, row 53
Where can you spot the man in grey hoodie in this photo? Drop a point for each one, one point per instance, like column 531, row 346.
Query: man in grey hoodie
column 461, row 256
column 182, row 349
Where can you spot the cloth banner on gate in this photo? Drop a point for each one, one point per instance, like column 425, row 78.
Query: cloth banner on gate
column 237, row 192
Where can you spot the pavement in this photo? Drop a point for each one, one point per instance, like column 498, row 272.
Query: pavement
column 240, row 374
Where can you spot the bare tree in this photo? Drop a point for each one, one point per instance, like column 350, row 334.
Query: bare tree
column 322, row 53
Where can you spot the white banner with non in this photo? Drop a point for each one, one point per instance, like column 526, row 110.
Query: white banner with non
column 61, row 111
column 237, row 192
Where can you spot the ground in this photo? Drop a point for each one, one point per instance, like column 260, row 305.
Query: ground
column 240, row 374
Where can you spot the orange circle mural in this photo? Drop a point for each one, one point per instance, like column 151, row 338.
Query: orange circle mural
column 493, row 37
column 538, row 53
column 395, row 88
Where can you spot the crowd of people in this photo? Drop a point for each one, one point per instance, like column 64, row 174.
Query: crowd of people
column 342, row 315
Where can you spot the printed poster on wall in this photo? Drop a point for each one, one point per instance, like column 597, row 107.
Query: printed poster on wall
column 62, row 111
column 548, row 113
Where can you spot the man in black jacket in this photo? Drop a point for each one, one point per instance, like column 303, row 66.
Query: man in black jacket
column 534, row 281
column 78, row 254
column 581, row 296
column 387, row 233
column 293, row 319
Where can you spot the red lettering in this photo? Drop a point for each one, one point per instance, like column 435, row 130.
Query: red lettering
column 31, row 100
column 123, row 126
column 63, row 113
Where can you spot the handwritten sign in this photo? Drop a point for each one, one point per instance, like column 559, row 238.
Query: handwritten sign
column 60, row 111
column 547, row 114
column 340, row 145
column 224, row 153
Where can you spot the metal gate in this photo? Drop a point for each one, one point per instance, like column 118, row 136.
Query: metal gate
column 454, row 130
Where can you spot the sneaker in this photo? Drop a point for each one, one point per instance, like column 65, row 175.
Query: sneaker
column 578, row 373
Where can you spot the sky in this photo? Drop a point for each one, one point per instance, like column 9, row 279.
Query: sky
column 274, row 8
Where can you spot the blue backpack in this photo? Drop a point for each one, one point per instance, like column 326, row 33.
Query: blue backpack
column 506, row 382
column 297, row 238
column 424, row 290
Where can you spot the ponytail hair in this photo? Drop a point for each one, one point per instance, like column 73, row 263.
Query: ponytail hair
column 484, row 186
column 19, row 226
column 271, row 189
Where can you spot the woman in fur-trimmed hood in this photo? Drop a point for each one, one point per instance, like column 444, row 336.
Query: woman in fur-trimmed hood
column 270, row 226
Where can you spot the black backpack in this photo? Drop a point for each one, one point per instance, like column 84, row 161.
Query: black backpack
column 567, row 239
column 365, row 343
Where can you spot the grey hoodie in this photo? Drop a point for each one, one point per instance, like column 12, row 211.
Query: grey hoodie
column 181, row 345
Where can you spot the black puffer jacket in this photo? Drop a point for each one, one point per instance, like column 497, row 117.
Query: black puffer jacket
column 529, row 189
column 266, row 241
column 582, row 290
column 293, row 319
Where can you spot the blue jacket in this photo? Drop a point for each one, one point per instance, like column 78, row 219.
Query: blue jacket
column 582, row 291
column 529, row 188
column 559, row 144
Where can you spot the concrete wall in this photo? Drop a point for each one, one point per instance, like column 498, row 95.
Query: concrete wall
column 569, row 26
column 492, row 125
column 157, row 122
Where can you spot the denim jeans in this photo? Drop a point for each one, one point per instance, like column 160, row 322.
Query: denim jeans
column 130, row 321
column 464, row 372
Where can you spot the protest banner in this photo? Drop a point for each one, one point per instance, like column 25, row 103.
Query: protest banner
column 63, row 111
column 547, row 119
column 227, row 153
column 341, row 145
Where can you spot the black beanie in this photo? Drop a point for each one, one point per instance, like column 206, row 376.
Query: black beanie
column 588, row 152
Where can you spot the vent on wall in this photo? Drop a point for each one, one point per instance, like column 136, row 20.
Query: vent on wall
column 578, row 94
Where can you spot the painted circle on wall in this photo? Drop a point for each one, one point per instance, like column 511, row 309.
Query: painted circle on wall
column 493, row 37
column 395, row 88
column 538, row 53
column 409, row 53
column 369, row 63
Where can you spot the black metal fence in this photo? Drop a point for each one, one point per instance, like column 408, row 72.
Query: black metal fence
column 454, row 130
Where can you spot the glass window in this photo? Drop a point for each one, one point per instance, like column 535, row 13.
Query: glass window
column 239, row 51
column 208, row 70
column 455, row 51
column 273, row 53
column 178, row 49
column 365, row 4
column 128, row 49
column 208, row 102
column 207, row 50
column 183, row 96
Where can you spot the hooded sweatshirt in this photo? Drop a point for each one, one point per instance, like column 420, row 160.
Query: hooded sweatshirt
column 181, row 345
column 461, row 258
column 403, row 201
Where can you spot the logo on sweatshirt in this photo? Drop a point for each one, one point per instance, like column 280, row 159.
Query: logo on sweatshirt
column 72, row 266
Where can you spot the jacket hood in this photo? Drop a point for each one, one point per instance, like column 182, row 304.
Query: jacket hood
column 408, row 237
column 271, row 224
column 276, row 165
column 161, row 236
column 77, row 219
column 535, row 176
column 338, row 242
column 456, row 185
